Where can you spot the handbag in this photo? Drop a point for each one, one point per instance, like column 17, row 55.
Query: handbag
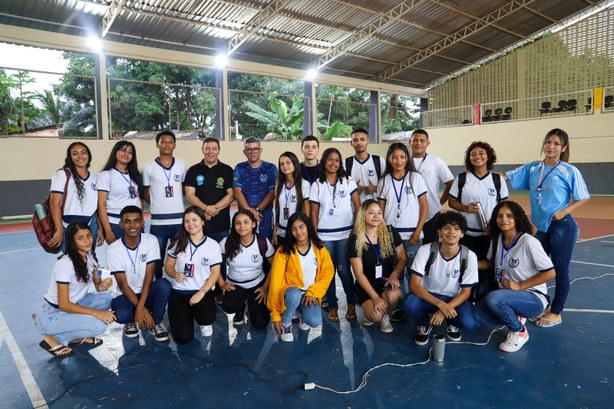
column 43, row 222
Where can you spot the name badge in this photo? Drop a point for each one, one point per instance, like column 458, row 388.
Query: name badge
column 499, row 274
column 188, row 270
column 378, row 271
column 132, row 192
column 168, row 190
column 286, row 213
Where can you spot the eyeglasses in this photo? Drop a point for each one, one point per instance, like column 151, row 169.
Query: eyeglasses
column 252, row 150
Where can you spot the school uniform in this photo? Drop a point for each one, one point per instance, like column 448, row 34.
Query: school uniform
column 365, row 172
column 288, row 204
column 121, row 191
column 402, row 202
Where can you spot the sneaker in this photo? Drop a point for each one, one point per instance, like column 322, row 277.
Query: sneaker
column 239, row 317
column 301, row 323
column 397, row 315
column 454, row 333
column 131, row 330
column 324, row 303
column 159, row 333
column 385, row 325
column 286, row 333
column 206, row 330
column 422, row 335
column 366, row 322
column 522, row 320
column 514, row 341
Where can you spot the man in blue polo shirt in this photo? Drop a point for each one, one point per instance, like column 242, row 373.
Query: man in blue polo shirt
column 254, row 186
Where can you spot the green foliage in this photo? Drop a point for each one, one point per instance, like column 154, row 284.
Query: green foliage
column 399, row 113
column 281, row 120
column 336, row 130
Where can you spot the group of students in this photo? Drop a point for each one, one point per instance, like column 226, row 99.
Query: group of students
column 296, row 226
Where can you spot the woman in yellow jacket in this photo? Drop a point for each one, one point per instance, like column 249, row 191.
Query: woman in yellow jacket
column 301, row 272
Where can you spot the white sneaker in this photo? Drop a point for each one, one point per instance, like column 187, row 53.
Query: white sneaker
column 206, row 330
column 301, row 323
column 286, row 333
column 385, row 325
column 366, row 322
column 514, row 341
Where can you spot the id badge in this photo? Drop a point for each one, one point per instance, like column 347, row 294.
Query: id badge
column 331, row 212
column 286, row 213
column 132, row 191
column 168, row 190
column 337, row 212
column 188, row 270
column 378, row 271
column 499, row 274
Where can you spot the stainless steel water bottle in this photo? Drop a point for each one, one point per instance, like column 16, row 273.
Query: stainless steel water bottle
column 439, row 347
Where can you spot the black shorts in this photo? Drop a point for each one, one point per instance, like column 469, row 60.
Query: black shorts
column 378, row 286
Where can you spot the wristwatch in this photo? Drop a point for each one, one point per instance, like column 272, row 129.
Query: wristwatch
column 258, row 209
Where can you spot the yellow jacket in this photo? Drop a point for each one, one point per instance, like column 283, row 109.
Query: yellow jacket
column 286, row 272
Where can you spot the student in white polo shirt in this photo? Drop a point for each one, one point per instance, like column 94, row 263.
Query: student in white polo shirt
column 334, row 204
column 442, row 277
column 132, row 261
column 522, row 269
column 163, row 184
column 365, row 169
column 248, row 255
column 193, row 264
column 119, row 185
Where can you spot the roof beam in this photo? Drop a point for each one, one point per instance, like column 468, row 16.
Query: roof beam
column 453, row 38
column 255, row 24
column 109, row 16
column 367, row 32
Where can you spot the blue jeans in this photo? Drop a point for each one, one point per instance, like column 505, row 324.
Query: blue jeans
column 219, row 235
column 265, row 228
column 159, row 293
column 410, row 259
column 503, row 306
column 93, row 227
column 338, row 250
column 558, row 242
column 164, row 233
column 419, row 311
column 293, row 300
column 66, row 326
column 117, row 231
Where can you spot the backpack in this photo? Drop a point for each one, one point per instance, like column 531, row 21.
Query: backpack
column 349, row 162
column 263, row 247
column 462, row 178
column 433, row 254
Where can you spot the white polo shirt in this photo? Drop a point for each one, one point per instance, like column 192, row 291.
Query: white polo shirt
column 364, row 172
column 64, row 273
column 287, row 198
column 133, row 262
column 402, row 199
column 336, row 216
column 165, row 191
column 481, row 190
column 434, row 171
column 203, row 256
column 75, row 210
column 245, row 270
column 522, row 261
column 309, row 266
column 444, row 275
column 118, row 185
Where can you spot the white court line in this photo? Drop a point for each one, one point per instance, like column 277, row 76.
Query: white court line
column 35, row 394
column 607, row 241
column 16, row 251
column 585, row 310
column 594, row 238
column 592, row 264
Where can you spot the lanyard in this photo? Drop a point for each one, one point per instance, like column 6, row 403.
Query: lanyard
column 192, row 252
column 398, row 194
column 127, row 179
column 170, row 170
column 334, row 192
column 315, row 174
column 422, row 163
column 136, row 255
column 505, row 253
column 541, row 173
column 287, row 192
column 375, row 249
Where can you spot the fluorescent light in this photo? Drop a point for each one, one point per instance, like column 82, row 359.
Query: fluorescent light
column 94, row 43
column 311, row 75
column 221, row 61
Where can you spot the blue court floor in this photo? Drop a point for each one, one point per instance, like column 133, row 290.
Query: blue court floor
column 568, row 366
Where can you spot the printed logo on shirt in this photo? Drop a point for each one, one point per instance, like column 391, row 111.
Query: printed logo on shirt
column 143, row 257
column 492, row 192
column 255, row 258
column 219, row 183
column 200, row 179
column 177, row 178
column 343, row 193
column 370, row 172
column 264, row 178
column 514, row 262
column 409, row 190
column 455, row 273
column 204, row 261
column 293, row 199
column 93, row 185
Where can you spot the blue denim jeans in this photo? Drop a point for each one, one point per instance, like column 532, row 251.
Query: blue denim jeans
column 265, row 228
column 338, row 250
column 503, row 306
column 164, row 234
column 419, row 311
column 159, row 293
column 65, row 326
column 293, row 300
column 558, row 242
column 410, row 259
column 117, row 231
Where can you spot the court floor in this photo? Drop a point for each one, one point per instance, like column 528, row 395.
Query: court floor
column 567, row 366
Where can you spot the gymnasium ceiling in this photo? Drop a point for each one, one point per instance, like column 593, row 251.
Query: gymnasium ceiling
column 413, row 43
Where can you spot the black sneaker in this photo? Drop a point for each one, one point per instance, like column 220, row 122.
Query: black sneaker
column 239, row 317
column 397, row 315
column 454, row 333
column 159, row 333
column 131, row 330
column 422, row 334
